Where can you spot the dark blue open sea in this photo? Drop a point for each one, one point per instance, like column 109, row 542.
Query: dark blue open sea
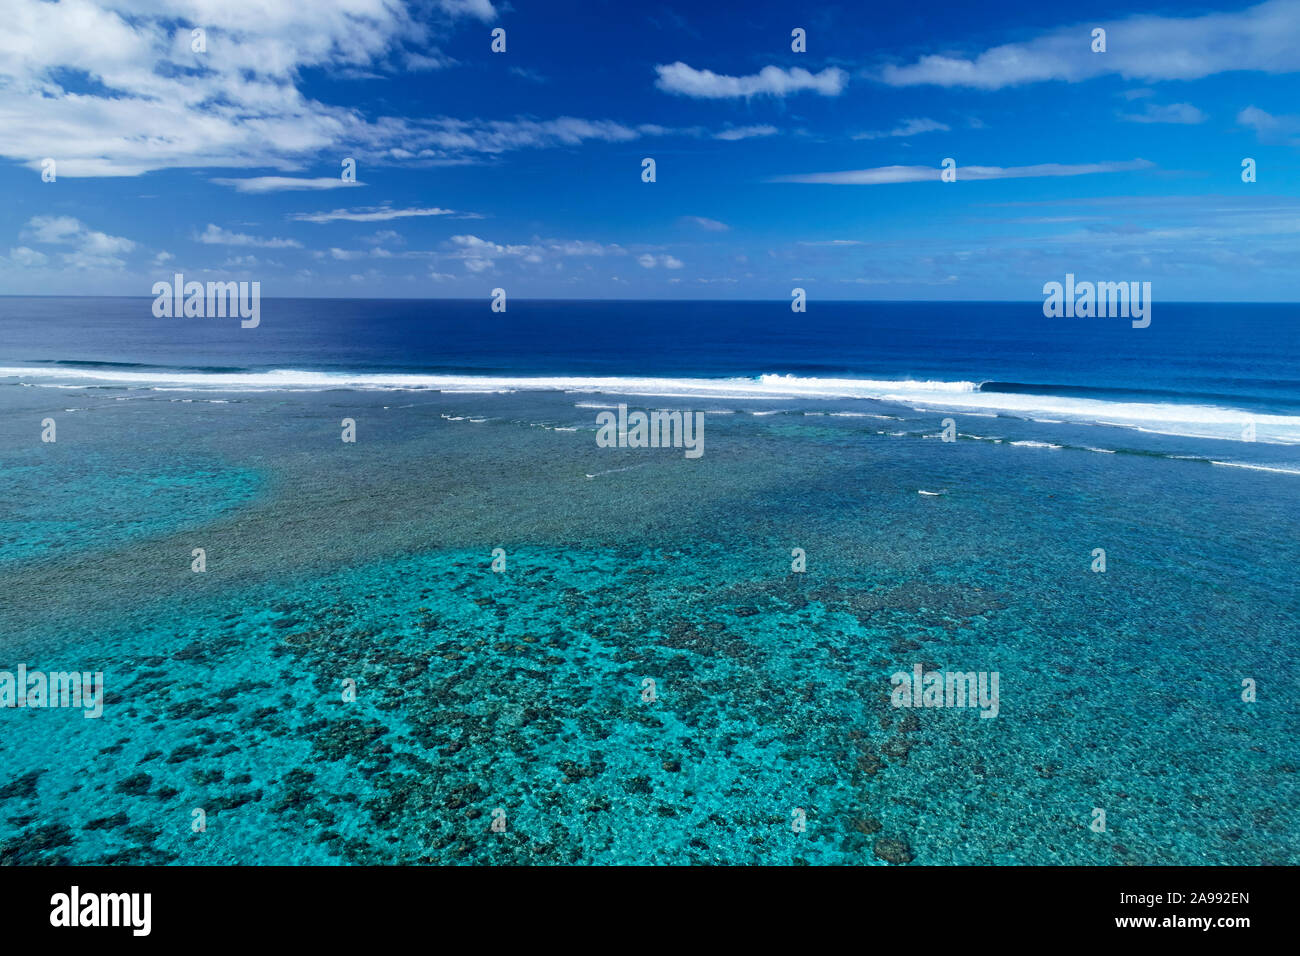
column 648, row 679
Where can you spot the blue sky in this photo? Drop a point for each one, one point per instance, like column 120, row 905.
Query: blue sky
column 774, row 168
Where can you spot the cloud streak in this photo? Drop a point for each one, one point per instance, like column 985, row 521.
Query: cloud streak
column 374, row 214
column 1181, row 113
column 1147, row 48
column 908, row 128
column 886, row 175
column 271, row 184
column 702, row 222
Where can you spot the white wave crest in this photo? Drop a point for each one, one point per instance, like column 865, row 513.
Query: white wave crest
column 1169, row 418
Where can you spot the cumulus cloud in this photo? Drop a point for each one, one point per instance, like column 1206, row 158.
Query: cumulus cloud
column 216, row 236
column 114, row 88
column 27, row 258
column 90, row 249
column 154, row 102
column 1144, row 48
column 1268, row 127
column 648, row 261
column 683, row 80
column 478, row 254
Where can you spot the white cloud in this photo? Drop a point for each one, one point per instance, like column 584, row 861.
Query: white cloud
column 648, row 261
column 476, row 246
column 1147, row 48
column 113, row 88
column 745, row 132
column 1268, row 127
column 154, row 103
column 685, row 80
column 1182, row 113
column 908, row 128
column 244, row 262
column 27, row 258
column 419, row 63
column 216, row 236
column 709, row 225
column 376, row 252
column 579, row 247
column 532, row 76
column 443, row 138
column 474, row 8
column 881, row 175
column 478, row 254
column 91, row 249
column 371, row 214
column 268, row 184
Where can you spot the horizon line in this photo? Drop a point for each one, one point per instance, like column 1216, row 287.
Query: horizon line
column 785, row 301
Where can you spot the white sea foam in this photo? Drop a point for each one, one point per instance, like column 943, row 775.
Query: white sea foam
column 614, row 471
column 1198, row 421
column 1242, row 464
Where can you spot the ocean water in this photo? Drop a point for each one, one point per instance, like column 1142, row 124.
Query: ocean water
column 520, row 694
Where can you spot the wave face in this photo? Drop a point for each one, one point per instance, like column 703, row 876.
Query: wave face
column 1167, row 418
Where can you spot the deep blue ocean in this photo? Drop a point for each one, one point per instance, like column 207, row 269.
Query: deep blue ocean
column 1160, row 688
